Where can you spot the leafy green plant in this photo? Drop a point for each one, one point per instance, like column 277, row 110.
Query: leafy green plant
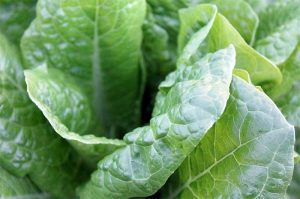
column 164, row 99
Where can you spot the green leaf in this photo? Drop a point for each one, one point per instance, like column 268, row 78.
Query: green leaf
column 290, row 74
column 162, row 27
column 242, row 74
column 290, row 105
column 154, row 152
column 258, row 5
column 15, row 17
column 240, row 15
column 279, row 30
column 248, row 153
column 68, row 110
column 28, row 145
column 93, row 42
column 210, row 29
column 294, row 188
column 14, row 186
column 158, row 57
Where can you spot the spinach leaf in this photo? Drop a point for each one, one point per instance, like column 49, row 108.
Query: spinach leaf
column 215, row 32
column 15, row 17
column 290, row 70
column 279, row 30
column 92, row 42
column 13, row 186
column 28, row 145
column 248, row 153
column 154, row 152
column 68, row 111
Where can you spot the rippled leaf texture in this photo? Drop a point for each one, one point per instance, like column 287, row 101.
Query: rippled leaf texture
column 279, row 30
column 93, row 42
column 247, row 154
column 28, row 145
column 68, row 111
column 14, row 186
column 213, row 32
column 154, row 152
column 15, row 17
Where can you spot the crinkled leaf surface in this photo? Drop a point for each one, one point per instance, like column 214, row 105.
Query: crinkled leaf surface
column 14, row 186
column 154, row 152
column 205, row 26
column 28, row 145
column 15, row 17
column 279, row 30
column 68, row 111
column 248, row 153
column 93, row 42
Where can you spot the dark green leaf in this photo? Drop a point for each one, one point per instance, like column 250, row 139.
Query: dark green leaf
column 15, row 17
column 97, row 43
column 28, row 145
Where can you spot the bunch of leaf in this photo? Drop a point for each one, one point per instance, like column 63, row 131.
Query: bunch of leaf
column 78, row 87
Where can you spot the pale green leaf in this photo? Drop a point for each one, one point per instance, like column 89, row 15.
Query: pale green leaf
column 239, row 14
column 247, row 154
column 243, row 74
column 192, row 105
column 211, row 31
column 259, row 5
column 68, row 110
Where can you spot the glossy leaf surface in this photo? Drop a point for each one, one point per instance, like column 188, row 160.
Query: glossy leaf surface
column 92, row 41
column 28, row 145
